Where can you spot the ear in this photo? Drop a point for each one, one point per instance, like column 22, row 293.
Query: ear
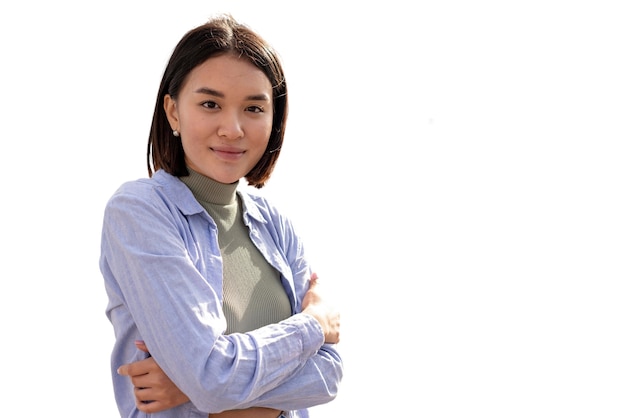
column 171, row 111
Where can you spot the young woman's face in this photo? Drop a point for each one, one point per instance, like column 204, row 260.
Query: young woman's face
column 224, row 115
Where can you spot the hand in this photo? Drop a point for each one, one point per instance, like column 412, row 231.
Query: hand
column 154, row 391
column 326, row 314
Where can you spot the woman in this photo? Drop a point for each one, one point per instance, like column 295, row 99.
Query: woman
column 214, row 279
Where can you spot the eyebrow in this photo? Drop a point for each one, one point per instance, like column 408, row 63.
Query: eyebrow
column 211, row 92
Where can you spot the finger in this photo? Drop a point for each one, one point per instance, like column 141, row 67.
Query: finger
column 123, row 370
column 142, row 381
column 143, row 403
column 140, row 344
column 138, row 368
column 143, row 394
column 313, row 280
column 150, row 406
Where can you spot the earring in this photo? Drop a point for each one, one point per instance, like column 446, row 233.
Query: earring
column 176, row 133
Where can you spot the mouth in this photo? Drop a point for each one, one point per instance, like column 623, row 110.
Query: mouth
column 228, row 154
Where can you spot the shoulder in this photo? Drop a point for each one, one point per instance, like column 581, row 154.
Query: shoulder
column 162, row 189
column 160, row 182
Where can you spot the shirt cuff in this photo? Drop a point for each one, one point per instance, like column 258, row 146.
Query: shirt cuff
column 310, row 330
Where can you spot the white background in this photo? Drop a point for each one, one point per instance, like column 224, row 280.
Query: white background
column 456, row 169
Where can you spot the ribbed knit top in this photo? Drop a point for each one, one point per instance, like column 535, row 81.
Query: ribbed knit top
column 253, row 294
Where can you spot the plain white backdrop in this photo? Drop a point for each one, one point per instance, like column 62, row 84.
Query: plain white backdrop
column 456, row 169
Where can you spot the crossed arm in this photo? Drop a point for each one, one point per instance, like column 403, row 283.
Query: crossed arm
column 155, row 392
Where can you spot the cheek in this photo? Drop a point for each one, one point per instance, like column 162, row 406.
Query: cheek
column 268, row 130
column 261, row 132
column 190, row 145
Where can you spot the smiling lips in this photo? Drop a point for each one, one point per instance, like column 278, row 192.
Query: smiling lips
column 228, row 153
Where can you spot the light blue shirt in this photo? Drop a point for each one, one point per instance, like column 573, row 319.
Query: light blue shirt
column 162, row 271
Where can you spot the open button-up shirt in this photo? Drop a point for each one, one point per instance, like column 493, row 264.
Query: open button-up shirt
column 162, row 270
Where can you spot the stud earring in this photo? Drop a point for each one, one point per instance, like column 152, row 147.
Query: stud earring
column 176, row 133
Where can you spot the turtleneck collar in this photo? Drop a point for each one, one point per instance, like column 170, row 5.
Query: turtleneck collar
column 208, row 190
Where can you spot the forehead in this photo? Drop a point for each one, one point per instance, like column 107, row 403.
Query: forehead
column 229, row 73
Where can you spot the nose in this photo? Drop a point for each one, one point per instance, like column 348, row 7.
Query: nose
column 230, row 126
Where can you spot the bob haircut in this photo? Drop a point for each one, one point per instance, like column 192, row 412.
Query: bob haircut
column 220, row 35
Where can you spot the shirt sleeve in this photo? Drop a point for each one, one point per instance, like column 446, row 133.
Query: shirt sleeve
column 169, row 282
column 317, row 381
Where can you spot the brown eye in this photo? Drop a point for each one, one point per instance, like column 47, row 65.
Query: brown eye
column 210, row 104
column 255, row 109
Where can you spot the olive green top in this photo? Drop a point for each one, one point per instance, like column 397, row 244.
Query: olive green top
column 253, row 293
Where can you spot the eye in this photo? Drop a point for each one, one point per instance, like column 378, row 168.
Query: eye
column 255, row 109
column 210, row 104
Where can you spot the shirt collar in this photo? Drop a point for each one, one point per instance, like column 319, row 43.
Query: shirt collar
column 188, row 205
